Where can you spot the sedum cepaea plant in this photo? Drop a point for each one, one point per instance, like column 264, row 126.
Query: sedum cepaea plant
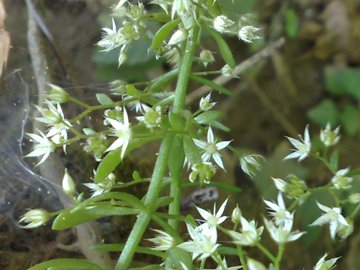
column 143, row 112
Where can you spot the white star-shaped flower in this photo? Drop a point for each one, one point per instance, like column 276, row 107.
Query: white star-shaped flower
column 211, row 148
column 212, row 219
column 322, row 264
column 249, row 235
column 282, row 233
column 202, row 245
column 333, row 217
column 302, row 146
column 278, row 211
column 43, row 147
column 122, row 130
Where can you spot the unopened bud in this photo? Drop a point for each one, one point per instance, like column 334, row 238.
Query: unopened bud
column 34, row 218
column 57, row 94
column 236, row 215
column 68, row 184
column 354, row 198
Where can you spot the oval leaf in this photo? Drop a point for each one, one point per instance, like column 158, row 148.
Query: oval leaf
column 163, row 33
column 66, row 264
column 219, row 88
column 223, row 47
column 103, row 99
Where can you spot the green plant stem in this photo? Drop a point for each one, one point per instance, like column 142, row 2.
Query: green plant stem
column 79, row 102
column 279, row 256
column 242, row 257
column 152, row 195
column 266, row 252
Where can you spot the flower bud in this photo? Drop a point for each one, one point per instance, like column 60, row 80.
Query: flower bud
column 236, row 215
column 329, row 137
column 354, row 198
column 68, row 184
column 251, row 164
column 57, row 94
column 345, row 230
column 227, row 71
column 205, row 103
column 204, row 171
column 248, row 33
column 177, row 37
column 34, row 218
column 118, row 87
column 206, row 57
column 222, row 23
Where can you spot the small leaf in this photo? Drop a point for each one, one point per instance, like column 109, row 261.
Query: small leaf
column 192, row 152
column 163, row 33
column 180, row 257
column 177, row 121
column 136, row 176
column 343, row 81
column 223, row 47
column 69, row 218
column 104, row 99
column 291, row 23
column 120, row 247
column 158, row 17
column 113, row 159
column 350, row 119
column 218, row 125
column 66, row 264
column 324, row 113
column 163, row 81
column 163, row 201
column 219, row 88
column 208, row 117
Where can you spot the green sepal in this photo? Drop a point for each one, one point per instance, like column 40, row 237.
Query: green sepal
column 104, row 99
column 66, row 264
column 219, row 88
column 163, row 33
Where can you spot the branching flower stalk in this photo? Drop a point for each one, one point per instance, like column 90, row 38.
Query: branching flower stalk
column 161, row 163
column 162, row 115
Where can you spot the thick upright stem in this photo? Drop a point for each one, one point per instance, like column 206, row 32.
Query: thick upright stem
column 152, row 195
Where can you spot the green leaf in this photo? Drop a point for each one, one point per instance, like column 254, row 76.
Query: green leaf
column 148, row 267
column 225, row 50
column 334, row 160
column 218, row 125
column 66, row 264
column 192, row 152
column 208, row 117
column 179, row 256
column 158, row 17
column 120, row 247
column 343, row 81
column 69, row 218
column 163, row 81
column 113, row 159
column 325, row 112
column 350, row 119
column 219, row 185
column 163, row 33
column 177, row 121
column 104, row 99
column 219, row 88
column 163, row 201
column 291, row 23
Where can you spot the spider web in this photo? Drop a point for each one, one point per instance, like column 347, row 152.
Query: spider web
column 20, row 187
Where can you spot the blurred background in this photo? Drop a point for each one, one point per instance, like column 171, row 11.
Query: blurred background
column 312, row 78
